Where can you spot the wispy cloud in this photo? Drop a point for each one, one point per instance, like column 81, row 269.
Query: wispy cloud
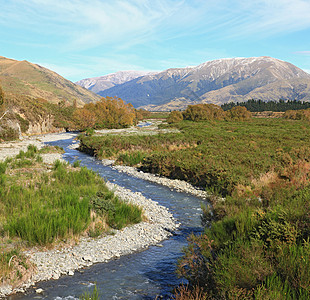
column 83, row 24
column 109, row 35
column 302, row 52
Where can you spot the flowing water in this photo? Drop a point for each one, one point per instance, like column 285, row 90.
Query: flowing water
column 141, row 275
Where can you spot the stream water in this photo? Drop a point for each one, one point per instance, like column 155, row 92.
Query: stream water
column 141, row 275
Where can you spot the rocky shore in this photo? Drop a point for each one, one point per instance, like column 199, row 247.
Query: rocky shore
column 173, row 184
column 51, row 264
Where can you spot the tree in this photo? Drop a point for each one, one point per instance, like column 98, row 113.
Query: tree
column 175, row 117
column 84, row 118
column 106, row 113
column 238, row 113
column 203, row 112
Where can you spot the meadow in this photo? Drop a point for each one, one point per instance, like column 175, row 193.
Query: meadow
column 256, row 241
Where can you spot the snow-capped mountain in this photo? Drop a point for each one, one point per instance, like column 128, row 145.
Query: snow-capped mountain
column 98, row 84
column 218, row 81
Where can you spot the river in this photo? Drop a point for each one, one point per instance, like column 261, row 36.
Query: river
column 141, row 275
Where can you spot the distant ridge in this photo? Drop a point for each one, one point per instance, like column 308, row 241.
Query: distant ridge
column 98, row 84
column 218, row 81
column 28, row 79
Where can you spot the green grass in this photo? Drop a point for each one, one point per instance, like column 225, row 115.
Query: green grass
column 42, row 207
column 257, row 246
column 94, row 295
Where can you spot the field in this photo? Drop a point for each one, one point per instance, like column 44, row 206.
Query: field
column 256, row 242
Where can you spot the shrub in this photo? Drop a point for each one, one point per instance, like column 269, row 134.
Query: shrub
column 238, row 113
column 41, row 208
column 203, row 112
column 175, row 117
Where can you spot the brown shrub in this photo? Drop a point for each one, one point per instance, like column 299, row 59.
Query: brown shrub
column 203, row 112
column 238, row 113
column 175, row 117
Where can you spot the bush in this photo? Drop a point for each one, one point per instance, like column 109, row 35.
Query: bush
column 41, row 208
column 106, row 113
column 175, row 117
column 238, row 113
column 203, row 112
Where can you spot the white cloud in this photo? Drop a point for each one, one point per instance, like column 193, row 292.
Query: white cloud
column 84, row 24
column 302, row 52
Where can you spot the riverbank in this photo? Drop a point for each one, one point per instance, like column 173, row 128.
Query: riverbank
column 52, row 264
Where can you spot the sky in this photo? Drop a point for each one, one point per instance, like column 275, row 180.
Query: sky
column 81, row 39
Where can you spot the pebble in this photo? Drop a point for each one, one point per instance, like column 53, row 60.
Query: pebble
column 160, row 225
column 51, row 264
column 173, row 184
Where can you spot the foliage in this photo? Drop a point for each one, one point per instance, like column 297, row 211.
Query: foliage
column 258, row 244
column 203, row 112
column 142, row 114
column 303, row 114
column 42, row 207
column 106, row 113
column 7, row 133
column 117, row 213
column 175, row 117
column 13, row 265
column 238, row 113
column 260, row 105
column 94, row 295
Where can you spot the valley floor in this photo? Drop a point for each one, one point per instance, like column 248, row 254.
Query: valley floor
column 65, row 260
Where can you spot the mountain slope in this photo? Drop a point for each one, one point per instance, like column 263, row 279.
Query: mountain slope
column 25, row 78
column 98, row 84
column 218, row 81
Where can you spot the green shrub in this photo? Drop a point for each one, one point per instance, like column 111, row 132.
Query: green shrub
column 94, row 295
column 131, row 159
column 76, row 164
column 41, row 208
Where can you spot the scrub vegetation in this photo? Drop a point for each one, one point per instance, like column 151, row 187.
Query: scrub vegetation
column 256, row 242
column 44, row 205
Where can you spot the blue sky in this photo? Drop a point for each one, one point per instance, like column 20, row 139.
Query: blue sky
column 80, row 39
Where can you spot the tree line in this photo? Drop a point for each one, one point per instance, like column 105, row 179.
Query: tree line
column 260, row 105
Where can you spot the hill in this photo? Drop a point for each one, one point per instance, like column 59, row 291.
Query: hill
column 218, row 81
column 28, row 79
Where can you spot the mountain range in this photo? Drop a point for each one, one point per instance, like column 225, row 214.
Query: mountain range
column 218, row 81
column 32, row 80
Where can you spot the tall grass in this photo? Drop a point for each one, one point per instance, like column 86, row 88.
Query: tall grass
column 94, row 295
column 258, row 243
column 42, row 207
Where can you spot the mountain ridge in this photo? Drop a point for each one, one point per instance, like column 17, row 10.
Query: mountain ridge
column 217, row 81
column 96, row 84
column 26, row 78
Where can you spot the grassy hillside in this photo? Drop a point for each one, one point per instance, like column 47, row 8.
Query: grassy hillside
column 27, row 79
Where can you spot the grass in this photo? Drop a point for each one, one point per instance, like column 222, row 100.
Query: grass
column 94, row 295
column 257, row 246
column 41, row 206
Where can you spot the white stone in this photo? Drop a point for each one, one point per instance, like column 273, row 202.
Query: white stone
column 39, row 291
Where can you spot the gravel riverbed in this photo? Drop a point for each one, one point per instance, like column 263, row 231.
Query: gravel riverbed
column 51, row 264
